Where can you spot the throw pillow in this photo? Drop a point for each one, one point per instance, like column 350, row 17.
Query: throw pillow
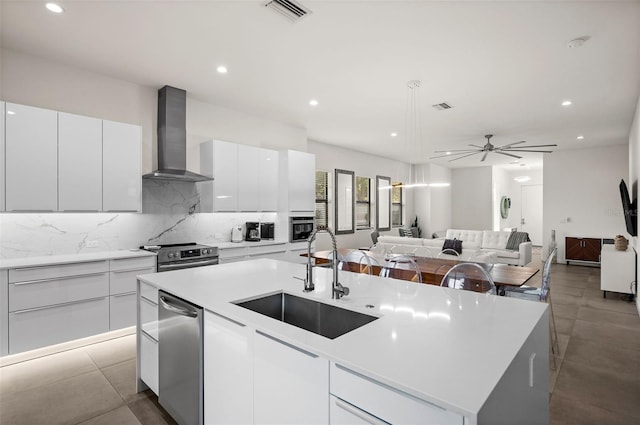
column 454, row 244
column 515, row 239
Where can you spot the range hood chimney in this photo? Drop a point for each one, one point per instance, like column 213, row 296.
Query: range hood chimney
column 172, row 138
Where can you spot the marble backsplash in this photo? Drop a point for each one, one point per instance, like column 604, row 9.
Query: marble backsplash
column 170, row 214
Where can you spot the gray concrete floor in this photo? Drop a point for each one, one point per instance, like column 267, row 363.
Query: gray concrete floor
column 597, row 380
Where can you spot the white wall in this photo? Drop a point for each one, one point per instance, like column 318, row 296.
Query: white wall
column 472, row 198
column 501, row 187
column 330, row 157
column 581, row 187
column 432, row 205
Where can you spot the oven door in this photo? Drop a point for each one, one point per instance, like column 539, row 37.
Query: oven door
column 186, row 264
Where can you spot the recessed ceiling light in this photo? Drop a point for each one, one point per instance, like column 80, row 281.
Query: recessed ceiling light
column 448, row 153
column 313, row 102
column 522, row 179
column 55, row 8
column 580, row 137
column 566, row 103
column 394, row 134
column 221, row 69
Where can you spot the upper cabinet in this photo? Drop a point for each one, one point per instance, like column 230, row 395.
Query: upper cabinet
column 31, row 138
column 2, row 114
column 79, row 163
column 121, row 170
column 55, row 161
column 299, row 171
column 245, row 177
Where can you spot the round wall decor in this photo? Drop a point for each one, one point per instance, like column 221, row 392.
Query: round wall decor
column 505, row 204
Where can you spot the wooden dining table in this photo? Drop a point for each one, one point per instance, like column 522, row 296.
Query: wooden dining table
column 432, row 270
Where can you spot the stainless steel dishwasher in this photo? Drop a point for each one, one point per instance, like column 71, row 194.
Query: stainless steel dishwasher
column 180, row 349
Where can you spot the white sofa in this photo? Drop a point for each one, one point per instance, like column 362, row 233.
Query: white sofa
column 475, row 244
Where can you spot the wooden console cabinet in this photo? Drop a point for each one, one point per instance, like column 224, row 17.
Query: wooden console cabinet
column 583, row 249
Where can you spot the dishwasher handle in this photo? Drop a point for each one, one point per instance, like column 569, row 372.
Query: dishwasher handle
column 175, row 309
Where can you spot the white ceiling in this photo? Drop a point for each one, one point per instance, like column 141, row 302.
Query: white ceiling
column 504, row 66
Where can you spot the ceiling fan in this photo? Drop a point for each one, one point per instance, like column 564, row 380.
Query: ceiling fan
column 507, row 150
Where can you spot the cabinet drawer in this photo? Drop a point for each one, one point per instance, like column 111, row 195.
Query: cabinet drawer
column 39, row 327
column 149, row 317
column 385, row 402
column 149, row 292
column 343, row 413
column 266, row 249
column 122, row 310
column 61, row 270
column 149, row 362
column 39, row 293
column 124, row 281
column 133, row 263
column 233, row 252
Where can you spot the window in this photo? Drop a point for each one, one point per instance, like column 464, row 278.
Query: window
column 363, row 202
column 396, row 204
column 322, row 201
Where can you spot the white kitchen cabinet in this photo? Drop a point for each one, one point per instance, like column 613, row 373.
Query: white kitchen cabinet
column 39, row 327
column 343, row 413
column 31, row 149
column 122, row 289
column 219, row 159
column 121, row 168
column 122, row 311
column 2, row 163
column 4, row 313
column 367, row 398
column 298, row 190
column 248, row 178
column 268, row 180
column 147, row 337
column 148, row 362
column 617, row 269
column 301, row 379
column 79, row 163
column 228, row 371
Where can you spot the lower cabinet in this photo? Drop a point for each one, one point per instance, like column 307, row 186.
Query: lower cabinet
column 359, row 399
column 582, row 249
column 228, row 371
column 147, row 358
column 122, row 311
column 300, row 377
column 42, row 326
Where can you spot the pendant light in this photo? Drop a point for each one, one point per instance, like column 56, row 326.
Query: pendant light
column 413, row 132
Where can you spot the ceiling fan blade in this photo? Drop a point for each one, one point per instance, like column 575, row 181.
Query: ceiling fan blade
column 453, row 154
column 456, row 150
column 533, row 146
column 524, row 150
column 511, row 144
column 484, row 156
column 508, row 154
column 464, row 156
column 476, row 146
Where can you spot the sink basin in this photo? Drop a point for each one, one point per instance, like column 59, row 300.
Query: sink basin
column 319, row 318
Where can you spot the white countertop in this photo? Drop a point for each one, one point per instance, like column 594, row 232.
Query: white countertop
column 445, row 346
column 265, row 242
column 46, row 260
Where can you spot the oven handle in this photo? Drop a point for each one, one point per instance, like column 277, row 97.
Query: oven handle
column 187, row 265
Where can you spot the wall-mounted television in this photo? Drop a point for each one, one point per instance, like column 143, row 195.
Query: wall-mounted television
column 630, row 210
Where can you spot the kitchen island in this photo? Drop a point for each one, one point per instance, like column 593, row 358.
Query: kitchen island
column 434, row 355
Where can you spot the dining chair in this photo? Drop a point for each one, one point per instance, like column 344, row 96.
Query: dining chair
column 542, row 294
column 358, row 262
column 448, row 253
column 470, row 277
column 374, row 236
column 402, row 267
column 424, row 251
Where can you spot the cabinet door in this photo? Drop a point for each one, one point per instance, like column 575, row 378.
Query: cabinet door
column 122, row 311
column 301, row 172
column 4, row 313
column 31, row 139
column 2, row 164
column 225, row 163
column 269, row 180
column 591, row 248
column 79, row 163
column 305, row 397
column 228, row 374
column 121, row 177
column 248, row 178
column 573, row 248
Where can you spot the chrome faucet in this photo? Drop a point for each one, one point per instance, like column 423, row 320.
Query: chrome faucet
column 337, row 290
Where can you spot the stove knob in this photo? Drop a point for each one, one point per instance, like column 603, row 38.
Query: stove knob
column 170, row 255
column 205, row 251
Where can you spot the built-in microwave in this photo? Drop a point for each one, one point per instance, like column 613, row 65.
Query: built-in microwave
column 300, row 228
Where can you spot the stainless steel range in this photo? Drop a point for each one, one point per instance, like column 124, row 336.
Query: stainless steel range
column 183, row 255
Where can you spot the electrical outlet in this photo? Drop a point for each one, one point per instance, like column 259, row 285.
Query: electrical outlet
column 92, row 244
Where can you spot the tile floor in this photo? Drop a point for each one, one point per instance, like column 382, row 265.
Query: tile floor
column 597, row 380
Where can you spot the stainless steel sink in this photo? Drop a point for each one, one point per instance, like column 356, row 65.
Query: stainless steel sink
column 319, row 318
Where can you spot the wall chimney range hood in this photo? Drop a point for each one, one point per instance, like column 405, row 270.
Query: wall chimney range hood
column 172, row 138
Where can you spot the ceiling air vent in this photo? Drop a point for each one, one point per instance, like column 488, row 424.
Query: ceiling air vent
column 442, row 106
column 290, row 10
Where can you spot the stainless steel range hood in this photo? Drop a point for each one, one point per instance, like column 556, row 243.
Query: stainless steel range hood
column 172, row 138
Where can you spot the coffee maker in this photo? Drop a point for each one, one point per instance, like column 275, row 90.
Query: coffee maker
column 253, row 231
